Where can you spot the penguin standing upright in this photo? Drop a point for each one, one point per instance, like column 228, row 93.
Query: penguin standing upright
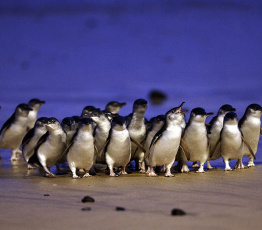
column 69, row 126
column 31, row 139
column 114, row 106
column 216, row 125
column 81, row 151
column 250, row 126
column 195, row 137
column 231, row 143
column 165, row 144
column 137, row 129
column 118, row 147
column 35, row 105
column 50, row 148
column 14, row 130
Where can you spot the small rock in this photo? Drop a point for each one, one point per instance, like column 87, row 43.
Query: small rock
column 177, row 212
column 88, row 199
column 120, row 209
column 86, row 209
column 46, row 195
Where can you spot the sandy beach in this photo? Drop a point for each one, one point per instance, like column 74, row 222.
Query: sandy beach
column 212, row 200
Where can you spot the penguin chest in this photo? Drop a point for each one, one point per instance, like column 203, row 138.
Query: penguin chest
column 119, row 149
column 196, row 139
column 231, row 143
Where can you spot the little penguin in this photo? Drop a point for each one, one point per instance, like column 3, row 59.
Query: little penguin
column 114, row 106
column 35, row 105
column 31, row 139
column 101, row 133
column 118, row 146
column 250, row 126
column 231, row 143
column 50, row 148
column 165, row 143
column 215, row 127
column 195, row 137
column 156, row 124
column 136, row 126
column 14, row 130
column 69, row 126
column 81, row 151
column 88, row 110
column 77, row 120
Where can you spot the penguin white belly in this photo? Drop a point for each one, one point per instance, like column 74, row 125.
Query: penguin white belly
column 196, row 140
column 231, row 144
column 139, row 136
column 165, row 149
column 119, row 149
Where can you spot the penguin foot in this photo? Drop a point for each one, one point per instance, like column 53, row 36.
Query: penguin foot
column 228, row 169
column 200, row 171
column 50, row 175
column 152, row 174
column 195, row 165
column 19, row 151
column 75, row 177
column 251, row 165
column 184, row 169
column 29, row 167
column 142, row 171
column 123, row 173
column 169, row 175
column 14, row 158
column 87, row 175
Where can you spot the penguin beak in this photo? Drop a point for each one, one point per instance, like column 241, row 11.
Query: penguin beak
column 180, row 107
column 209, row 114
column 233, row 110
column 122, row 104
column 183, row 112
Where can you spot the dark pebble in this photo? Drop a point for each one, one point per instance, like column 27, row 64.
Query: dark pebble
column 177, row 212
column 88, row 199
column 120, row 209
column 46, row 195
column 86, row 209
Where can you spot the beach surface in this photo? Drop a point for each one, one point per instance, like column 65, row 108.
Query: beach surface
column 213, row 200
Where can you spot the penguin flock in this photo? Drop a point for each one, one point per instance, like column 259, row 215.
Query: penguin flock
column 105, row 137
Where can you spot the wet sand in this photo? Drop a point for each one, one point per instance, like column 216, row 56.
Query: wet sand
column 212, row 200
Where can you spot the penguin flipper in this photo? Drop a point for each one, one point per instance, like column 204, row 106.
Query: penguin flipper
column 138, row 144
column 27, row 137
column 155, row 139
column 212, row 151
column 185, row 149
column 260, row 130
column 249, row 148
column 7, row 124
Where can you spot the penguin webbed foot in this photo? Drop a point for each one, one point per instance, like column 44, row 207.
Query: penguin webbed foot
column 86, row 175
column 195, row 165
column 50, row 175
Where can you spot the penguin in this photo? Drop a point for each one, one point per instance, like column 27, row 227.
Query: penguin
column 14, row 130
column 77, row 120
column 156, row 124
column 81, row 151
column 118, row 146
column 165, row 143
column 114, row 106
column 87, row 111
column 101, row 133
column 136, row 126
column 31, row 139
column 69, row 126
column 35, row 105
column 214, row 129
column 250, row 126
column 195, row 137
column 231, row 143
column 50, row 148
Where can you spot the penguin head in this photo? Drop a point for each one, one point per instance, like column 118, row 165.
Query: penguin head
column 140, row 105
column 77, row 120
column 158, row 119
column 231, row 118
column 41, row 122
column 97, row 115
column 22, row 110
column 176, row 114
column 224, row 109
column 35, row 103
column 199, row 114
column 114, row 106
column 87, row 111
column 68, row 123
column 254, row 110
column 53, row 124
column 87, row 124
column 118, row 123
column 109, row 114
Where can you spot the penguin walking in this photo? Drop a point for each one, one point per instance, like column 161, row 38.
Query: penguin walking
column 14, row 130
column 250, row 126
column 136, row 126
column 69, row 126
column 81, row 151
column 35, row 105
column 215, row 127
column 114, row 106
column 156, row 124
column 195, row 137
column 165, row 144
column 50, row 148
column 231, row 143
column 118, row 147
column 31, row 139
